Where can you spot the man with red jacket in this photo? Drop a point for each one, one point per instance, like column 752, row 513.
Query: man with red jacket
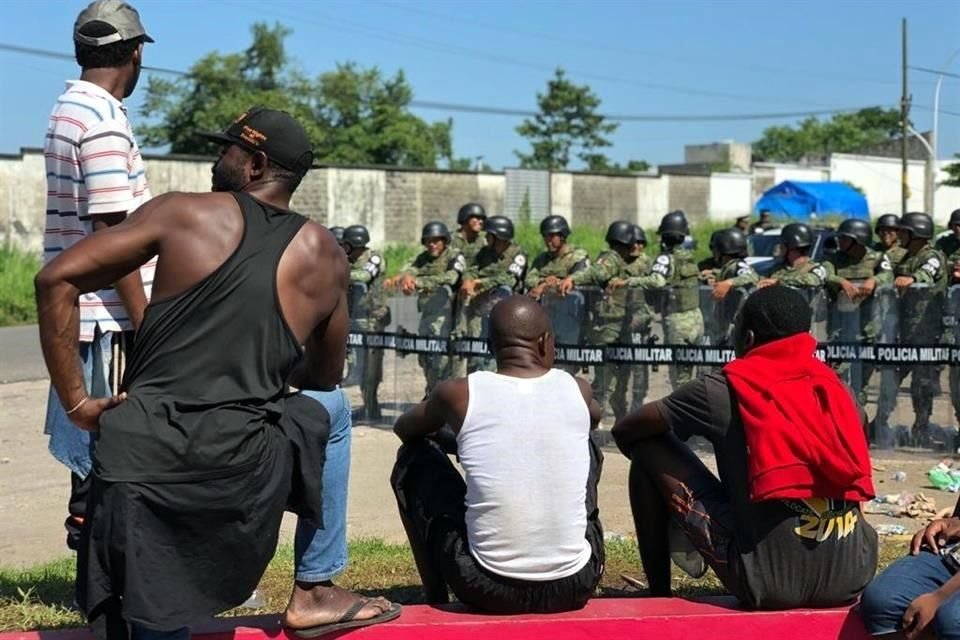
column 782, row 526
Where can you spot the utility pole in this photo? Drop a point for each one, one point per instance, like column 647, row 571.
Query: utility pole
column 904, row 120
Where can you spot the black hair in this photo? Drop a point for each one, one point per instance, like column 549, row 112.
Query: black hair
column 775, row 312
column 113, row 55
column 289, row 179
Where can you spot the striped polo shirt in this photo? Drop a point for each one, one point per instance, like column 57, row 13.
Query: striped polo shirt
column 93, row 167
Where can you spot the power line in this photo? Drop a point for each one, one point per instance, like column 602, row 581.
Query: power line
column 935, row 72
column 338, row 24
column 567, row 41
column 508, row 111
column 64, row 56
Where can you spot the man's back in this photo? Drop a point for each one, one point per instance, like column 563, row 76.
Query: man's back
column 210, row 363
column 524, row 448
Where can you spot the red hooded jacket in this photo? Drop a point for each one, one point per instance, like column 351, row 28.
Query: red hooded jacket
column 803, row 430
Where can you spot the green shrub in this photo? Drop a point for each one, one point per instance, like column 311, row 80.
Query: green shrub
column 17, row 270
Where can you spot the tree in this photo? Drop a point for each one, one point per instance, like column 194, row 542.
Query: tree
column 568, row 121
column 601, row 164
column 952, row 170
column 843, row 133
column 352, row 115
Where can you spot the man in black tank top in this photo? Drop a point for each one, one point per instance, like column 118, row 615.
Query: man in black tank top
column 205, row 447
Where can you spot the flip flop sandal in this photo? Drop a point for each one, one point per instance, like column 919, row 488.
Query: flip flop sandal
column 347, row 620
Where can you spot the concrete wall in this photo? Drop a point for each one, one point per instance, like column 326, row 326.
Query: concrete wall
column 879, row 178
column 395, row 203
column 738, row 155
column 731, row 195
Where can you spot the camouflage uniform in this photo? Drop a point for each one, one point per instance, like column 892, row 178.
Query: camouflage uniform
column 568, row 260
column 920, row 312
column 895, row 253
column 608, row 320
column 742, row 277
column 675, row 271
column 372, row 314
column 639, row 316
column 711, row 266
column 491, row 272
column 950, row 247
column 469, row 251
column 851, row 321
column 436, row 280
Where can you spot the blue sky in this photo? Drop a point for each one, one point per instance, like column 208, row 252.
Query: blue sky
column 684, row 57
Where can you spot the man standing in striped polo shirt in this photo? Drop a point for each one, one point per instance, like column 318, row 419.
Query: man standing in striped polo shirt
column 94, row 179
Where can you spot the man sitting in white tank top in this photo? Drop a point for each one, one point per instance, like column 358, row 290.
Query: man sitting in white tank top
column 521, row 533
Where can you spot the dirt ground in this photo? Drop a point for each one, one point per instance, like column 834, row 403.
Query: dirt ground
column 34, row 488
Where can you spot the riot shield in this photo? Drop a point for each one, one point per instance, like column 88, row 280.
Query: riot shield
column 952, row 332
column 470, row 343
column 852, row 327
column 370, row 313
column 417, row 348
column 718, row 319
column 568, row 317
column 359, row 314
column 920, row 353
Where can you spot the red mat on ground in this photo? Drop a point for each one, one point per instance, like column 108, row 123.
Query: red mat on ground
column 634, row 618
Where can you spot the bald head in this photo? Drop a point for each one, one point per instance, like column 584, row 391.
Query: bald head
column 518, row 322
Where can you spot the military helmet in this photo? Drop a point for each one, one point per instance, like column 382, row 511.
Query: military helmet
column 620, row 232
column 857, row 230
column 435, row 230
column 887, row 221
column 674, row 224
column 499, row 226
column 796, row 236
column 918, row 224
column 356, row 235
column 337, row 233
column 471, row 210
column 639, row 235
column 729, row 242
column 554, row 224
column 954, row 217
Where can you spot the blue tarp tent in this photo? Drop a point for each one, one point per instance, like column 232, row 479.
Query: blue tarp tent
column 800, row 199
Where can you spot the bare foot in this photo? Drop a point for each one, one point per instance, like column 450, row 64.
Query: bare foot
column 318, row 603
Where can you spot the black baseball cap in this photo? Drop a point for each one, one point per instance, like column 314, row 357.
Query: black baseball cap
column 276, row 133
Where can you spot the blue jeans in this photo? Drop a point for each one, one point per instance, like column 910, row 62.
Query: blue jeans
column 68, row 444
column 321, row 554
column 888, row 596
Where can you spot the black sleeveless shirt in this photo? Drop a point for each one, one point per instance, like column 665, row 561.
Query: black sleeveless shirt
column 208, row 370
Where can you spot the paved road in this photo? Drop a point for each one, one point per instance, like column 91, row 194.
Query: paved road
column 20, row 357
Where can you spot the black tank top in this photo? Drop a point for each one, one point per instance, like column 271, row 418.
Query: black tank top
column 208, row 370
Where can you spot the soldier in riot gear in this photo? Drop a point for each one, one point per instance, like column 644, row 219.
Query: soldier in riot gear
column 608, row 324
column 337, row 233
column 798, row 270
column 921, row 280
column 949, row 245
column 886, row 231
column 468, row 240
column 500, row 264
column 367, row 268
column 675, row 272
column 853, row 274
column 709, row 267
column 639, row 317
column 734, row 275
column 433, row 275
column 559, row 260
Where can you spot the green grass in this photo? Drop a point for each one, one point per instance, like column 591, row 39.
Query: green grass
column 41, row 597
column 17, row 269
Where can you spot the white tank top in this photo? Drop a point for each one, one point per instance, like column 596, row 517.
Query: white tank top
column 524, row 448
